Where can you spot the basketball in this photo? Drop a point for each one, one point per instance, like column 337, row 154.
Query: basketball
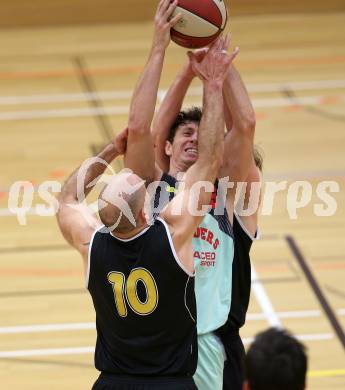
column 201, row 23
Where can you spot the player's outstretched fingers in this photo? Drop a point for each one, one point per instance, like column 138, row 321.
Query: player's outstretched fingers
column 196, row 65
column 226, row 43
column 120, row 141
column 167, row 5
column 234, row 53
column 175, row 20
column 216, row 45
column 201, row 53
column 160, row 6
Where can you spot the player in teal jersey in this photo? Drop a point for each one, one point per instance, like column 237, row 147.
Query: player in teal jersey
column 176, row 141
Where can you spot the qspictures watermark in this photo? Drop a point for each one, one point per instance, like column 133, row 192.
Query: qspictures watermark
column 249, row 198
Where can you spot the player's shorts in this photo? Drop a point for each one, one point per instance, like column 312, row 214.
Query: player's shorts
column 234, row 364
column 211, row 358
column 118, row 382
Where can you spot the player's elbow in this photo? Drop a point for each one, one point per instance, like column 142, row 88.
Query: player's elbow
column 216, row 163
column 138, row 129
column 251, row 122
column 62, row 206
column 59, row 217
column 65, row 197
column 248, row 124
column 136, row 126
column 214, row 159
column 158, row 140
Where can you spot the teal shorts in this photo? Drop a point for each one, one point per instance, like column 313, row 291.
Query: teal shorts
column 211, row 358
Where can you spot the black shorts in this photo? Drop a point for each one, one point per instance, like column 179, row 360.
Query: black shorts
column 233, row 374
column 118, row 382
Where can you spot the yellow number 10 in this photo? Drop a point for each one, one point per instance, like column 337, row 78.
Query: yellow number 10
column 128, row 291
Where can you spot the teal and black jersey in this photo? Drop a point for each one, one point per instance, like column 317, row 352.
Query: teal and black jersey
column 213, row 246
column 241, row 278
column 233, row 372
column 145, row 305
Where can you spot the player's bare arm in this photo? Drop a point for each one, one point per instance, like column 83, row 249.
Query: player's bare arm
column 239, row 142
column 169, row 109
column 251, row 221
column 212, row 70
column 77, row 223
column 140, row 155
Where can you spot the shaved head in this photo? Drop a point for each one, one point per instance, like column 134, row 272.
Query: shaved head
column 121, row 203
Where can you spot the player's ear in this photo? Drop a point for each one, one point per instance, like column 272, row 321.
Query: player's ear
column 168, row 148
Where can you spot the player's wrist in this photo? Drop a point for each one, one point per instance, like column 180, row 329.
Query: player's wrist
column 213, row 85
column 109, row 153
column 159, row 46
column 187, row 72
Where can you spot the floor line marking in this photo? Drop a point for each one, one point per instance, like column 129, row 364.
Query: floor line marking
column 87, row 82
column 301, row 337
column 91, row 325
column 326, row 373
column 47, row 328
column 286, row 315
column 89, row 349
column 126, row 69
column 264, row 301
column 314, row 285
column 194, row 91
column 124, row 110
column 47, row 352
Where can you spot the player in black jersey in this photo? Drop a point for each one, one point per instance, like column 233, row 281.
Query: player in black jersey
column 139, row 273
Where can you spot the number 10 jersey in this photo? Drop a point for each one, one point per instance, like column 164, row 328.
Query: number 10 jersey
column 145, row 304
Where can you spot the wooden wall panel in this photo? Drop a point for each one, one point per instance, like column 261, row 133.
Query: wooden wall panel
column 14, row 13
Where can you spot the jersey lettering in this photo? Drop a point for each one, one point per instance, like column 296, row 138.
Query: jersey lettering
column 206, row 235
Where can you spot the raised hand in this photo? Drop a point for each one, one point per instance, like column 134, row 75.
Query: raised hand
column 164, row 22
column 199, row 54
column 215, row 64
column 120, row 141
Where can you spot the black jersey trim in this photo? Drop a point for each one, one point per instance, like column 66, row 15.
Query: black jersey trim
column 178, row 261
column 87, row 276
column 253, row 238
column 131, row 238
column 185, row 300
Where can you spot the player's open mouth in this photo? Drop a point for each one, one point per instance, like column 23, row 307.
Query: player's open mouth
column 192, row 151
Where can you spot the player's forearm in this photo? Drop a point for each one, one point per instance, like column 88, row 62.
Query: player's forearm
column 172, row 104
column 227, row 116
column 238, row 102
column 145, row 94
column 87, row 173
column 167, row 113
column 211, row 131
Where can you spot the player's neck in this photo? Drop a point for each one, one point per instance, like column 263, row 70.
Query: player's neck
column 175, row 168
column 132, row 233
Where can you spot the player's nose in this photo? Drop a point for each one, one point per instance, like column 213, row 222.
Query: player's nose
column 194, row 137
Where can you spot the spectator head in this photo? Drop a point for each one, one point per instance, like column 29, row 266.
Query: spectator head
column 275, row 361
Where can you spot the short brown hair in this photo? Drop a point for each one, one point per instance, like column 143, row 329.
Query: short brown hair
column 193, row 114
column 258, row 157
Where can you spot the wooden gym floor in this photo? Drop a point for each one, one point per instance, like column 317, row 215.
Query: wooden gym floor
column 65, row 91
